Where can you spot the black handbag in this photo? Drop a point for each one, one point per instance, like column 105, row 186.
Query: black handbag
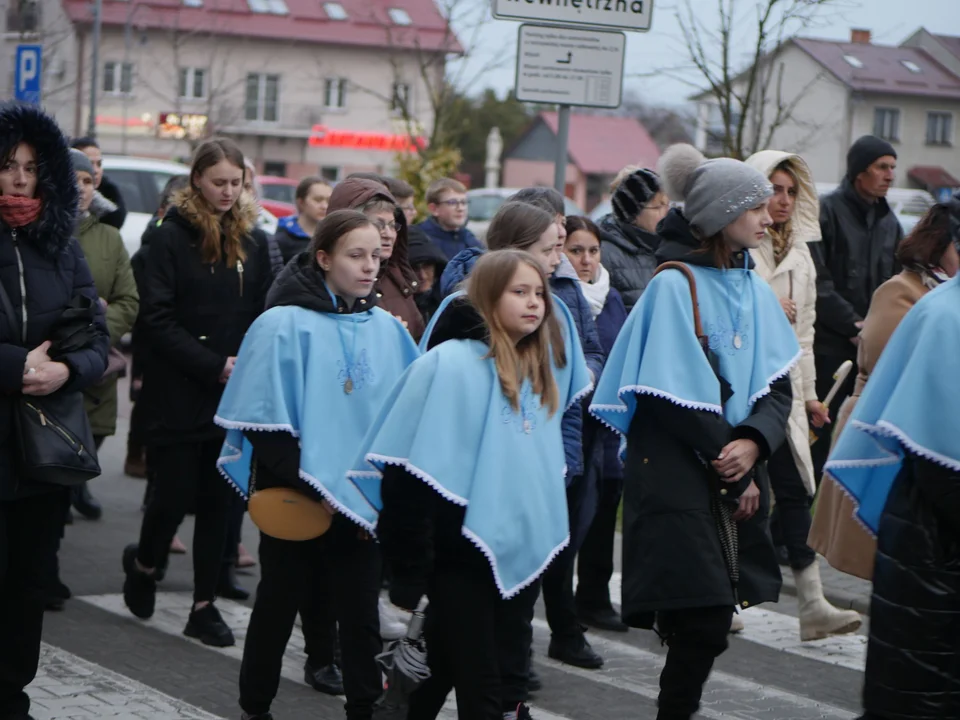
column 52, row 431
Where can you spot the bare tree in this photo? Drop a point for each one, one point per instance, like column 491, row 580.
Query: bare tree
column 748, row 89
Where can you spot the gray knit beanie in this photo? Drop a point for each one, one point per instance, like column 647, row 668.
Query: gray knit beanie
column 714, row 192
column 80, row 162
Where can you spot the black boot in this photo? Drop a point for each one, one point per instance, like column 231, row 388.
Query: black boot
column 602, row 619
column 207, row 626
column 139, row 589
column 85, row 503
column 576, row 651
column 327, row 679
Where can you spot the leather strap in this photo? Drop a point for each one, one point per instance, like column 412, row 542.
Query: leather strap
column 697, row 326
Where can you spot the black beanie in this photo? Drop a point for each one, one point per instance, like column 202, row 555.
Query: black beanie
column 864, row 152
column 635, row 190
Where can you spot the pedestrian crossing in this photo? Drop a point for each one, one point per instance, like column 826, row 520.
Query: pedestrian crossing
column 628, row 669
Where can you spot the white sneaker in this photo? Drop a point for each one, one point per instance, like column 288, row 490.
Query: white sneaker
column 736, row 625
column 392, row 625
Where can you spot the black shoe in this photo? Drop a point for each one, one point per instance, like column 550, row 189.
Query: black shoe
column 605, row 619
column 85, row 503
column 139, row 589
column 60, row 590
column 54, row 603
column 228, row 588
column 327, row 679
column 207, row 626
column 262, row 716
column 534, row 683
column 522, row 712
column 575, row 651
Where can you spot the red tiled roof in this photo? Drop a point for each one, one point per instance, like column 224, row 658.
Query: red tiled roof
column 602, row 145
column 950, row 42
column 883, row 70
column 368, row 22
column 932, row 176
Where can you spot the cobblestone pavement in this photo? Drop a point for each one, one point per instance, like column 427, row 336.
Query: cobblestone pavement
column 99, row 661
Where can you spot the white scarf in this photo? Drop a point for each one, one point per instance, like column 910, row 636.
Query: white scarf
column 596, row 292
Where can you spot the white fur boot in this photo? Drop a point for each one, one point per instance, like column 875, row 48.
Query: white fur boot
column 818, row 618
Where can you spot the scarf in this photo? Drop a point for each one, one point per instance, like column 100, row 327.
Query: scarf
column 17, row 211
column 596, row 292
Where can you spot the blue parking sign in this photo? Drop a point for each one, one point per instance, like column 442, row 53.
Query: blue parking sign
column 28, row 73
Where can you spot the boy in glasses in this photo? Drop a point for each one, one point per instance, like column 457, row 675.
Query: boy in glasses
column 446, row 226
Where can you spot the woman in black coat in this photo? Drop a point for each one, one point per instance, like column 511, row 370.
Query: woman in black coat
column 41, row 270
column 205, row 282
column 698, row 384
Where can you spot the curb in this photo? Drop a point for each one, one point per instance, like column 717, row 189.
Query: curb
column 838, row 598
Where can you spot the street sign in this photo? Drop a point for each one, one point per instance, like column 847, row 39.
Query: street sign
column 609, row 14
column 561, row 66
column 28, row 74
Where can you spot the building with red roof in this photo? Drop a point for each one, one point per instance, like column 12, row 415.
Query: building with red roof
column 305, row 86
column 598, row 148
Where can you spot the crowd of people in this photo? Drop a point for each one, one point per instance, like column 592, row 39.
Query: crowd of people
column 401, row 406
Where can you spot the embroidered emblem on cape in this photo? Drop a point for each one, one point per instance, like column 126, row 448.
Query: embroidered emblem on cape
column 524, row 420
column 357, row 375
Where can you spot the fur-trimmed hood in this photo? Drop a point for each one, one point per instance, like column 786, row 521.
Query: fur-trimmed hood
column 56, row 181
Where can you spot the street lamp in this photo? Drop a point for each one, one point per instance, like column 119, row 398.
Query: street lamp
column 95, row 68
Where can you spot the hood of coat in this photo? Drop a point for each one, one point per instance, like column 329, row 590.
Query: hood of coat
column 565, row 270
column 101, row 206
column 458, row 269
column 352, row 194
column 629, row 238
column 680, row 245
column 86, row 222
column 460, row 321
column 423, row 250
column 806, row 213
column 56, row 180
column 301, row 283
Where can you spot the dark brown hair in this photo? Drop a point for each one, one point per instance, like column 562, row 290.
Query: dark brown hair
column 531, row 357
column 928, row 241
column 398, row 188
column 303, row 187
column 333, row 227
column 579, row 222
column 517, row 225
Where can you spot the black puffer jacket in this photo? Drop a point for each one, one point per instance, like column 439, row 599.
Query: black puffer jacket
column 913, row 661
column 856, row 256
column 629, row 256
column 193, row 316
column 672, row 556
column 54, row 271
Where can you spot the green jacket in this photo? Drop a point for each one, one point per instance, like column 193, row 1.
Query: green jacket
column 113, row 278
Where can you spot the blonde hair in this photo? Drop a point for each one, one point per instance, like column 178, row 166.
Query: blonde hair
column 530, row 358
column 439, row 187
column 782, row 238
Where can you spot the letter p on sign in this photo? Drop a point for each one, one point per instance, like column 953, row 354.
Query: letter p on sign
column 28, row 73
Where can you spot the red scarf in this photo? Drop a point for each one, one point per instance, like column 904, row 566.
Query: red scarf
column 17, row 211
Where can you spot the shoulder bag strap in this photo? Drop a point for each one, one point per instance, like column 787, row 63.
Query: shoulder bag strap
column 697, row 326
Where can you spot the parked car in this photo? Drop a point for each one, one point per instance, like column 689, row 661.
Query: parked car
column 141, row 180
column 484, row 203
column 278, row 194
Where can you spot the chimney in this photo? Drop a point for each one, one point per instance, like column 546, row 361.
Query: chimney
column 859, row 36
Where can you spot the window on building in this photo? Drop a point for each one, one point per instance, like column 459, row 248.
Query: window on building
column 886, row 123
column 270, row 7
column 911, row 66
column 262, row 98
column 331, row 173
column 335, row 93
column 117, row 78
column 335, row 11
column 853, row 61
column 276, row 169
column 401, row 98
column 939, row 128
column 193, row 3
column 399, row 16
column 193, row 83
column 23, row 17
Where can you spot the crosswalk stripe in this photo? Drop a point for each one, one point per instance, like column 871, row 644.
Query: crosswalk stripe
column 68, row 686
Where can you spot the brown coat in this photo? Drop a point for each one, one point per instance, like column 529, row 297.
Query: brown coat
column 397, row 282
column 835, row 533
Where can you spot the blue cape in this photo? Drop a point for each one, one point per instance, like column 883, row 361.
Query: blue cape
column 448, row 423
column 290, row 376
column 291, row 223
column 657, row 351
column 911, row 403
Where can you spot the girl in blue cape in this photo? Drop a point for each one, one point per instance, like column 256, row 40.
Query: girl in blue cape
column 310, row 377
column 898, row 458
column 699, row 416
column 468, row 474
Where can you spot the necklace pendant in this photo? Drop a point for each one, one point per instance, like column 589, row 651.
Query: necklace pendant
column 527, row 427
column 737, row 341
column 348, row 386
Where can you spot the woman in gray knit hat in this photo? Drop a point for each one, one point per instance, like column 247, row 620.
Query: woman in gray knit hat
column 699, row 390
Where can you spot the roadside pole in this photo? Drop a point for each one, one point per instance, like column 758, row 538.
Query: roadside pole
column 563, row 140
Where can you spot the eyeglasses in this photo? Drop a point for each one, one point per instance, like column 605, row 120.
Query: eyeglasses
column 454, row 203
column 661, row 206
column 381, row 225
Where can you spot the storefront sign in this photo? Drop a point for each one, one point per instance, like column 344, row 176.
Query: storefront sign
column 322, row 136
column 180, row 126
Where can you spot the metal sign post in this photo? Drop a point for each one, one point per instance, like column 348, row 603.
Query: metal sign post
column 563, row 139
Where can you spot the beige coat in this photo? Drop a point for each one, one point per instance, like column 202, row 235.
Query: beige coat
column 835, row 533
column 796, row 278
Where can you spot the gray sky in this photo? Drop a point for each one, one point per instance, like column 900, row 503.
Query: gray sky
column 891, row 21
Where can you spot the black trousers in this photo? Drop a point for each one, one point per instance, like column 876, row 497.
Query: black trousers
column 137, row 435
column 467, row 622
column 793, row 507
column 695, row 637
column 29, row 536
column 318, row 620
column 185, row 472
column 558, row 595
column 347, row 566
column 595, row 561
column 826, row 366
column 235, row 513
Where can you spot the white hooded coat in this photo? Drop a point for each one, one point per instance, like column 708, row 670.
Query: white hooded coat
column 796, row 278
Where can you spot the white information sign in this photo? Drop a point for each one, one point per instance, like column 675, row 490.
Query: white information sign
column 570, row 67
column 610, row 14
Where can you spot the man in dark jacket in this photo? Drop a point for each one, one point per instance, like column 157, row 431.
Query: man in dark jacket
column 630, row 237
column 856, row 256
column 89, row 147
column 428, row 262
